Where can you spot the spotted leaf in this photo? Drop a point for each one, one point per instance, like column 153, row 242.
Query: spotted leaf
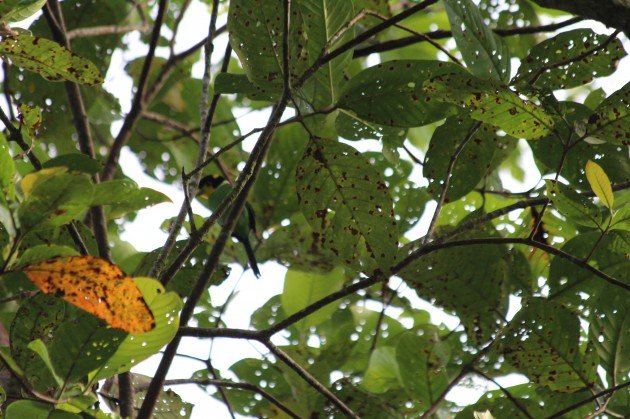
column 98, row 287
column 49, row 59
column 492, row 103
column 610, row 121
column 347, row 203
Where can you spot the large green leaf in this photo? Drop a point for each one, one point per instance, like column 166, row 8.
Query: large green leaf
column 165, row 307
column 49, row 59
column 478, row 158
column 577, row 208
column 391, row 93
column 382, row 371
column 422, row 363
column 304, row 288
column 55, row 199
column 120, row 196
column 609, row 323
column 492, row 103
column 346, row 202
column 256, row 30
column 609, row 121
column 37, row 410
column 485, row 53
column 567, row 280
column 542, row 341
column 469, row 280
column 322, row 20
column 17, row 10
column 562, row 56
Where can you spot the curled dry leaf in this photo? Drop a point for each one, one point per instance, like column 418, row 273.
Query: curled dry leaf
column 98, row 287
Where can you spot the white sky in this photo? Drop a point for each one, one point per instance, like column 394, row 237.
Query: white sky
column 145, row 234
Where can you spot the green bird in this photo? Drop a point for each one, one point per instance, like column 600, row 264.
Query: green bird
column 215, row 189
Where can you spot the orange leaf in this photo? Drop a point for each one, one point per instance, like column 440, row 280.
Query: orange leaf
column 98, row 287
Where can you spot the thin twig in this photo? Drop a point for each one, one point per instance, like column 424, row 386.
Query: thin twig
column 138, row 103
column 581, row 403
column 519, row 405
column 442, row 34
column 447, row 180
column 104, row 30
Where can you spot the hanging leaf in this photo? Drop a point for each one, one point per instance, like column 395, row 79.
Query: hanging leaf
column 239, row 83
column 485, row 53
column 382, row 371
column 391, row 93
column 345, row 201
column 49, row 59
column 18, row 10
column 98, row 287
column 565, row 66
column 600, row 184
column 609, row 122
column 322, row 20
column 30, row 117
column 542, row 341
column 256, row 30
column 492, row 103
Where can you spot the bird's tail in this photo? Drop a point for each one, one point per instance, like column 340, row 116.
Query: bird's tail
column 251, row 257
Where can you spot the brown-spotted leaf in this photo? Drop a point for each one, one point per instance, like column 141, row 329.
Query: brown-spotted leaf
column 347, row 204
column 49, row 59
column 98, row 287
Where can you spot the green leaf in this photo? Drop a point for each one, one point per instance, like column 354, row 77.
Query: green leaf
column 560, row 57
column 304, row 288
column 609, row 121
column 239, row 83
column 542, row 341
column 39, row 347
column 36, row 410
column 55, row 199
column 121, row 196
column 609, row 323
column 30, row 117
column 391, row 93
column 468, row 280
column 575, row 207
column 256, row 30
column 17, row 10
column 39, row 253
column 475, row 162
column 322, row 20
column 165, row 307
column 345, row 200
column 492, row 103
column 76, row 162
column 7, row 171
column 422, row 364
column 600, row 184
column 485, row 53
column 49, row 59
column 382, row 372
column 610, row 254
column 353, row 128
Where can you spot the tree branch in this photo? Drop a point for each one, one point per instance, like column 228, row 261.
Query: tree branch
column 581, row 403
column 505, row 391
column 104, row 30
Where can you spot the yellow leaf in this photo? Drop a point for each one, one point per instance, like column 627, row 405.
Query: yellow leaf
column 98, row 287
column 600, row 184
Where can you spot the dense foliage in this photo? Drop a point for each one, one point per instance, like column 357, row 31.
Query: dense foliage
column 380, row 114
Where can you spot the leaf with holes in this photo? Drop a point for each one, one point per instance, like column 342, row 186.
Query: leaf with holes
column 98, row 287
column 468, row 280
column 478, row 158
column 600, row 184
column 542, row 341
column 492, row 103
column 391, row 93
column 610, row 121
column 575, row 207
column 485, row 53
column 256, row 31
column 322, row 20
column 564, row 61
column 347, row 203
column 49, row 59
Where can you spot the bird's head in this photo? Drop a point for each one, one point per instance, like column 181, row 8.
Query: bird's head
column 209, row 184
